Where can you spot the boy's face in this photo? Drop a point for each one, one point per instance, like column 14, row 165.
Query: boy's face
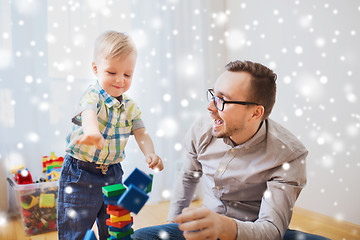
column 115, row 74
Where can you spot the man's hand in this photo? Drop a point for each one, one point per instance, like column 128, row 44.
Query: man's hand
column 202, row 223
column 91, row 139
column 154, row 161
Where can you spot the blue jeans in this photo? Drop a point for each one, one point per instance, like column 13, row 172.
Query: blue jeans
column 172, row 232
column 80, row 199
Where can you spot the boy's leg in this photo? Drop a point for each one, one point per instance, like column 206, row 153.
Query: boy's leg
column 76, row 203
column 80, row 200
column 167, row 231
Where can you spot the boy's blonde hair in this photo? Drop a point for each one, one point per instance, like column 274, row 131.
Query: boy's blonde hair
column 113, row 44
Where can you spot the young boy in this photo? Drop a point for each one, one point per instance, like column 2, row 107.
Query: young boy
column 95, row 147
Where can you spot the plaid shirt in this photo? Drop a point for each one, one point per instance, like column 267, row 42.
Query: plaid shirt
column 116, row 122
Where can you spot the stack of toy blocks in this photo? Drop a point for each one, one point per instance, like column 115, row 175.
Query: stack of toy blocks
column 124, row 199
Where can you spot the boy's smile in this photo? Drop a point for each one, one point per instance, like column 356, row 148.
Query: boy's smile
column 115, row 74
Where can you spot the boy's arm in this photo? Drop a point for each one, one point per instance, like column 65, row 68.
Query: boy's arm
column 146, row 145
column 91, row 133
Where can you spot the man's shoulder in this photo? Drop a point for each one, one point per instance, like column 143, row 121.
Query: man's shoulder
column 279, row 135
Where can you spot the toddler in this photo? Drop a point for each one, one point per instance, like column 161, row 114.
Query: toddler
column 95, row 147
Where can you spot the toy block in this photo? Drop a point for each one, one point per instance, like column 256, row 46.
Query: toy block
column 111, row 200
column 148, row 189
column 133, row 199
column 117, row 213
column 139, row 179
column 120, row 235
column 114, row 219
column 113, row 190
column 116, row 210
column 124, row 238
column 90, row 235
column 118, row 224
column 123, row 229
column 47, row 200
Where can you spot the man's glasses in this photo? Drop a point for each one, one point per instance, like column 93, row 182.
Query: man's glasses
column 220, row 103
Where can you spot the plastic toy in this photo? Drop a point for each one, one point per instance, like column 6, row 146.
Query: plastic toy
column 52, row 163
column 133, row 199
column 113, row 190
column 139, row 179
column 23, row 176
column 121, row 201
column 53, row 176
column 47, row 200
column 90, row 235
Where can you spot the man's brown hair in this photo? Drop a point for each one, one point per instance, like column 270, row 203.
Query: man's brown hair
column 263, row 83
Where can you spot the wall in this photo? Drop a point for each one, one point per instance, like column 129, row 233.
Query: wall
column 314, row 48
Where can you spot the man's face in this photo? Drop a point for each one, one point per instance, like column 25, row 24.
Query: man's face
column 235, row 119
column 115, row 74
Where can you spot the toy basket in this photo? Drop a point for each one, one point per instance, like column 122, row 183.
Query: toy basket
column 37, row 203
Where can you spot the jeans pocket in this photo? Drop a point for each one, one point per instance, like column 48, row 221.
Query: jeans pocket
column 71, row 170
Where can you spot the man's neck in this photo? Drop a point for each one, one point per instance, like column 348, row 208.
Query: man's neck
column 244, row 137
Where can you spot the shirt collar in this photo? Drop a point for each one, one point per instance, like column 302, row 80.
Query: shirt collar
column 109, row 100
column 259, row 136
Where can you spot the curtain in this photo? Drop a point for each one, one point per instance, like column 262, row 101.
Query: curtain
column 46, row 53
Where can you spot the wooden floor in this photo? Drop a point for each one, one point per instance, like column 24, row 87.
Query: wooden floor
column 303, row 220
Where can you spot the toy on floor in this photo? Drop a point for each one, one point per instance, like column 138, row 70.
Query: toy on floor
column 122, row 200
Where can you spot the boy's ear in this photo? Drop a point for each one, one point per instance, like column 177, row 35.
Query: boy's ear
column 94, row 67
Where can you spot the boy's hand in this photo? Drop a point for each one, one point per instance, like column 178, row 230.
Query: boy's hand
column 91, row 139
column 154, row 161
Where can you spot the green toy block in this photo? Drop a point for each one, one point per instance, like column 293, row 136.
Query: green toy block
column 148, row 189
column 118, row 235
column 113, row 190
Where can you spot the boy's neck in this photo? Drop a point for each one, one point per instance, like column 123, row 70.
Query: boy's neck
column 120, row 98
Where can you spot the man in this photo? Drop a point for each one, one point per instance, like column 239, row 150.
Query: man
column 253, row 168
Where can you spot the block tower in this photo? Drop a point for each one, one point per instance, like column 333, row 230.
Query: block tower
column 122, row 199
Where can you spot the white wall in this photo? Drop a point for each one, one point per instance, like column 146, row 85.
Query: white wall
column 314, row 48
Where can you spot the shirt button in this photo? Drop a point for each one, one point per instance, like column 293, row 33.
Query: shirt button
column 232, row 150
column 217, row 187
column 220, row 170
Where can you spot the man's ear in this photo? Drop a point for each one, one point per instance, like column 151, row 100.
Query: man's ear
column 258, row 112
column 94, row 67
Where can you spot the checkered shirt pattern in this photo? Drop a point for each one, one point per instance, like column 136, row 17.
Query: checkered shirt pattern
column 116, row 120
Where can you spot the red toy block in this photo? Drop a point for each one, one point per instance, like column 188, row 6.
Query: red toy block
column 118, row 224
column 118, row 213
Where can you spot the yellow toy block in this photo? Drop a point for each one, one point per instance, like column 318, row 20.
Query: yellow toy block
column 47, row 200
column 114, row 219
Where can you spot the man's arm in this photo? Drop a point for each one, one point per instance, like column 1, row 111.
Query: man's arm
column 189, row 176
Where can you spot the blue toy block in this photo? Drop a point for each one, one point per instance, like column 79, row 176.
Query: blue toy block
column 139, row 179
column 124, row 229
column 111, row 200
column 90, row 235
column 133, row 199
column 124, row 238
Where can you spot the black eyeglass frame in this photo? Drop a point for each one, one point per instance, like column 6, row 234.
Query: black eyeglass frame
column 213, row 97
